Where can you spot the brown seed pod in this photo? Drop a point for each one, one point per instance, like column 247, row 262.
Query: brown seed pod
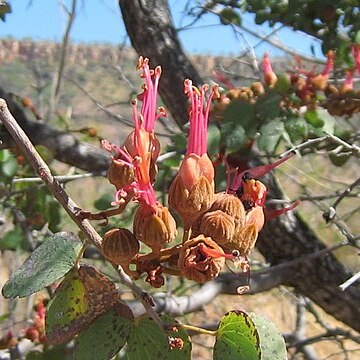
column 231, row 205
column 244, row 240
column 120, row 246
column 257, row 88
column 192, row 191
column 218, row 225
column 201, row 259
column 120, row 174
column 154, row 229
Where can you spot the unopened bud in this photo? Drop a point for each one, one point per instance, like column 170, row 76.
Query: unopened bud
column 120, row 174
column 192, row 191
column 218, row 225
column 154, row 229
column 231, row 205
column 244, row 240
column 120, row 246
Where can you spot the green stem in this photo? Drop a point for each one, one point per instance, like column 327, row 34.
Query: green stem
column 80, row 255
column 197, row 329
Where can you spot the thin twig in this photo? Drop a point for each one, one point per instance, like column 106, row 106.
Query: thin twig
column 59, row 178
column 350, row 281
column 65, row 42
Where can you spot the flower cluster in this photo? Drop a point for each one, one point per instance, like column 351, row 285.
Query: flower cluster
column 300, row 87
column 217, row 226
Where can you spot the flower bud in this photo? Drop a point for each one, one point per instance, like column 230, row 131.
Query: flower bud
column 120, row 246
column 146, row 142
column 154, row 229
column 201, row 259
column 231, row 205
column 192, row 191
column 244, row 240
column 257, row 88
column 256, row 216
column 120, row 174
column 218, row 225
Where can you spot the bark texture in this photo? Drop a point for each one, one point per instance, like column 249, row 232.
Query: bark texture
column 152, row 34
column 149, row 25
column 64, row 146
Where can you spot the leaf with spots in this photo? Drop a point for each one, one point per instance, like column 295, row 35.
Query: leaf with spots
column 48, row 263
column 149, row 342
column 237, row 338
column 272, row 343
column 104, row 338
column 82, row 296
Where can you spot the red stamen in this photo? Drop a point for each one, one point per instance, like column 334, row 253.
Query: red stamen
column 208, row 252
column 223, row 79
column 273, row 213
column 329, row 64
column 256, row 172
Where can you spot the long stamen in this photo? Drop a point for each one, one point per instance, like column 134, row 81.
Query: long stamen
column 273, row 213
column 208, row 252
column 257, row 172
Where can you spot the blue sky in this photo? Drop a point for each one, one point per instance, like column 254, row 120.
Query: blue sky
column 100, row 21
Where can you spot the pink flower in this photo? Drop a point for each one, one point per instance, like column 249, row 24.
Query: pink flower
column 270, row 77
column 355, row 49
column 199, row 116
column 149, row 110
column 192, row 191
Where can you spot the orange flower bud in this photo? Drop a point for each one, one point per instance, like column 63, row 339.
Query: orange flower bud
column 120, row 246
column 192, row 191
column 257, row 88
column 217, row 225
column 154, row 229
column 270, row 77
column 231, row 205
column 120, row 174
column 256, row 216
column 201, row 259
column 244, row 240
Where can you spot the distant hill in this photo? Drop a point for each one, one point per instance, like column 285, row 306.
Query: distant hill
column 28, row 68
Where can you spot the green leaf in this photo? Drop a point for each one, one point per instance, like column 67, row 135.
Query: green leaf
column 4, row 155
column 297, row 128
column 214, row 139
column 9, row 167
column 237, row 338
column 12, row 240
column 5, row 8
column 234, row 137
column 48, row 263
column 104, row 202
column 230, row 16
column 82, row 296
column 4, row 317
column 240, row 113
column 270, row 134
column 267, row 106
column 282, row 84
column 149, row 342
column 339, row 159
column 104, row 338
column 357, row 38
column 272, row 343
column 35, row 355
column 313, row 118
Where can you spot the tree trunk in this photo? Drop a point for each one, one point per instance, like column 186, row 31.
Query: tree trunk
column 152, row 34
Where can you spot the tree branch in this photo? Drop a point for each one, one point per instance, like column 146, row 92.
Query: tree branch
column 285, row 238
